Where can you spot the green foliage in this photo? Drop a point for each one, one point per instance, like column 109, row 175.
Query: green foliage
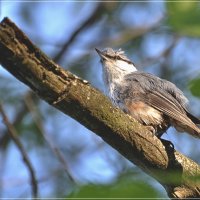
column 124, row 187
column 194, row 86
column 184, row 17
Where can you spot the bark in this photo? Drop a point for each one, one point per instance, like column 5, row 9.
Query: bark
column 78, row 99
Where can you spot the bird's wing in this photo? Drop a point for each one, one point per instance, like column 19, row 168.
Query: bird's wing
column 171, row 108
column 163, row 96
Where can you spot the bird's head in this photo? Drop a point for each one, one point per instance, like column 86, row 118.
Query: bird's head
column 116, row 61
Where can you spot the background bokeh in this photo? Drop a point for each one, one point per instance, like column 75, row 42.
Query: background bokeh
column 162, row 38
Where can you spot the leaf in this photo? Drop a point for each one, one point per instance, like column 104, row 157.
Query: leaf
column 194, row 86
column 123, row 188
column 184, row 17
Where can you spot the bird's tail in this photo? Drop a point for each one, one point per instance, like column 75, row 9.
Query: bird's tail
column 190, row 127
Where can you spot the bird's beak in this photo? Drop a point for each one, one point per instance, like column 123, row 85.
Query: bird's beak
column 101, row 54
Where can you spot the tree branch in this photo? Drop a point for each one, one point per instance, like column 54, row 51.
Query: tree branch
column 5, row 138
column 13, row 134
column 76, row 98
column 89, row 21
column 32, row 108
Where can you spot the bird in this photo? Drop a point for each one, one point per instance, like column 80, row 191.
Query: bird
column 152, row 101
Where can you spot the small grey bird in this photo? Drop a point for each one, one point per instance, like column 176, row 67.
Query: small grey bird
column 152, row 101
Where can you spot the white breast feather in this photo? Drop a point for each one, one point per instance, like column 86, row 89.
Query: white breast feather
column 125, row 66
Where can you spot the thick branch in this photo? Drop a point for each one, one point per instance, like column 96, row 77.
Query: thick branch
column 76, row 98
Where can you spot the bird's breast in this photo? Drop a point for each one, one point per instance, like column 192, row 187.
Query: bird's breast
column 148, row 116
column 144, row 113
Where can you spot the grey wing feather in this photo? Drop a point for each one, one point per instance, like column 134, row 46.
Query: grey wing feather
column 164, row 96
column 150, row 82
column 159, row 101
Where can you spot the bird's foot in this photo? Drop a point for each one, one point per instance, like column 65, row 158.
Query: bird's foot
column 167, row 143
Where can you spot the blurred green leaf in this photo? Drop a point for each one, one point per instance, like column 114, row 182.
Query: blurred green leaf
column 194, row 86
column 123, row 188
column 184, row 17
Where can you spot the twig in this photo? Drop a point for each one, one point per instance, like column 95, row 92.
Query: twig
column 163, row 55
column 4, row 140
column 13, row 134
column 31, row 107
column 89, row 21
